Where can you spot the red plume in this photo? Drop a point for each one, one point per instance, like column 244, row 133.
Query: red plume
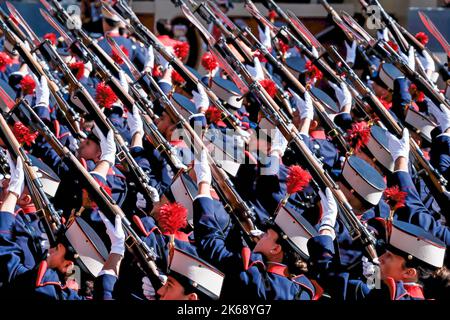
column 116, row 57
column 23, row 134
column 272, row 15
column 156, row 72
column 105, row 96
column 78, row 69
column 177, row 78
column 209, row 62
column 171, row 217
column 358, row 135
column 283, row 47
column 314, row 72
column 5, row 60
column 260, row 56
column 422, row 37
column 297, row 179
column 181, row 49
column 213, row 114
column 419, row 96
column 27, row 84
column 394, row 197
column 269, row 86
column 51, row 37
column 393, row 45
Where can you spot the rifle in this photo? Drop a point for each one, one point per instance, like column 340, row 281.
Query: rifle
column 50, row 217
column 80, row 93
column 388, row 54
column 433, row 179
column 68, row 112
column 234, row 204
column 356, row 229
column 332, row 130
column 66, row 19
column 149, row 39
column 145, row 256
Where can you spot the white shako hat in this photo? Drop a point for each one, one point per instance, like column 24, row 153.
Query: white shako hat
column 416, row 245
column 420, row 123
column 378, row 148
column 198, row 273
column 227, row 91
column 387, row 73
column 363, row 179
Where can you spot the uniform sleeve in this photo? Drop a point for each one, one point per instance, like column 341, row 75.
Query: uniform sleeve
column 440, row 155
column 322, row 265
column 211, row 240
column 415, row 211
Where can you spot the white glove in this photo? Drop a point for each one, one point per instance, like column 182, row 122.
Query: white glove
column 368, row 268
column 17, row 180
column 278, row 143
column 200, row 97
column 399, row 147
column 147, row 287
column 351, row 52
column 427, row 61
column 257, row 71
column 107, row 145
column 150, row 63
column 342, row 93
column 123, row 80
column 305, row 107
column 201, row 168
column 135, row 122
column 264, row 37
column 42, row 91
column 256, row 233
column 411, row 58
column 329, row 211
column 383, row 34
column 115, row 233
column 141, row 203
column 442, row 116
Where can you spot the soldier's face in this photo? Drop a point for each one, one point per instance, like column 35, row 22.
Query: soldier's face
column 89, row 150
column 173, row 290
column 165, row 125
column 267, row 244
column 56, row 260
column 393, row 266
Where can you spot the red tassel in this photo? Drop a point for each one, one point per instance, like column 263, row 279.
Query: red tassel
column 260, row 56
column 213, row 115
column 314, row 72
column 269, row 86
column 181, row 50
column 23, row 134
column 358, row 135
column 395, row 198
column 177, row 78
column 50, row 36
column 156, row 72
column 393, row 45
column 283, row 47
column 272, row 15
column 419, row 96
column 78, row 69
column 5, row 60
column 105, row 96
column 27, row 84
column 116, row 57
column 297, row 179
column 209, row 62
column 171, row 217
column 422, row 37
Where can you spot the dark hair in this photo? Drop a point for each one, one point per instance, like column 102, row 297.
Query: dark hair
column 164, row 27
column 296, row 265
column 111, row 23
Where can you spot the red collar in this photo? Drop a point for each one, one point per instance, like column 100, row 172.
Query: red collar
column 178, row 143
column 27, row 209
column 318, row 134
column 277, row 268
column 414, row 290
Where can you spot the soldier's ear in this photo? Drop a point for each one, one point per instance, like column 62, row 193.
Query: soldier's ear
column 410, row 273
column 314, row 124
column 192, row 296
